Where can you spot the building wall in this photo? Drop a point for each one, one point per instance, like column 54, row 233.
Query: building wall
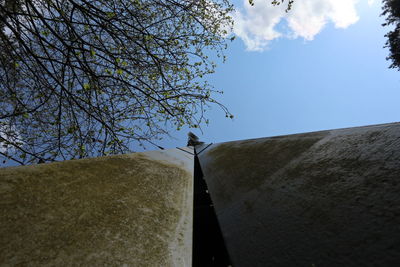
column 131, row 210
column 328, row 198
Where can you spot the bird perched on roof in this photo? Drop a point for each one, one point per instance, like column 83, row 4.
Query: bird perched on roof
column 193, row 140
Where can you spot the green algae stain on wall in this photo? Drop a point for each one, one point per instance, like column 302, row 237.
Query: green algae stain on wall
column 122, row 210
column 319, row 199
column 243, row 165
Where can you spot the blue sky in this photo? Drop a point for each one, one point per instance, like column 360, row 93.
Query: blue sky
column 326, row 78
column 321, row 66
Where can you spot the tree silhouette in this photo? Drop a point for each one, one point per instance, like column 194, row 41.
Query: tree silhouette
column 83, row 78
column 391, row 9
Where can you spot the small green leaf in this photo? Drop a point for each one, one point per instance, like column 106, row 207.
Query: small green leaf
column 71, row 130
column 110, row 15
column 45, row 33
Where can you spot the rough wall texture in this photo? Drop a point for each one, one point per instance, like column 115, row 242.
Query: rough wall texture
column 132, row 210
column 328, row 198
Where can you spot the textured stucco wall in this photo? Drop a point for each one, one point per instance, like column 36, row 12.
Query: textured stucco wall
column 328, row 198
column 131, row 210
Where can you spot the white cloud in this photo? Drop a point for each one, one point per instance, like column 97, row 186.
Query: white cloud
column 371, row 2
column 257, row 25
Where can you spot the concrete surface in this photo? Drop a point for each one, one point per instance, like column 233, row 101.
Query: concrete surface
column 329, row 198
column 131, row 210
